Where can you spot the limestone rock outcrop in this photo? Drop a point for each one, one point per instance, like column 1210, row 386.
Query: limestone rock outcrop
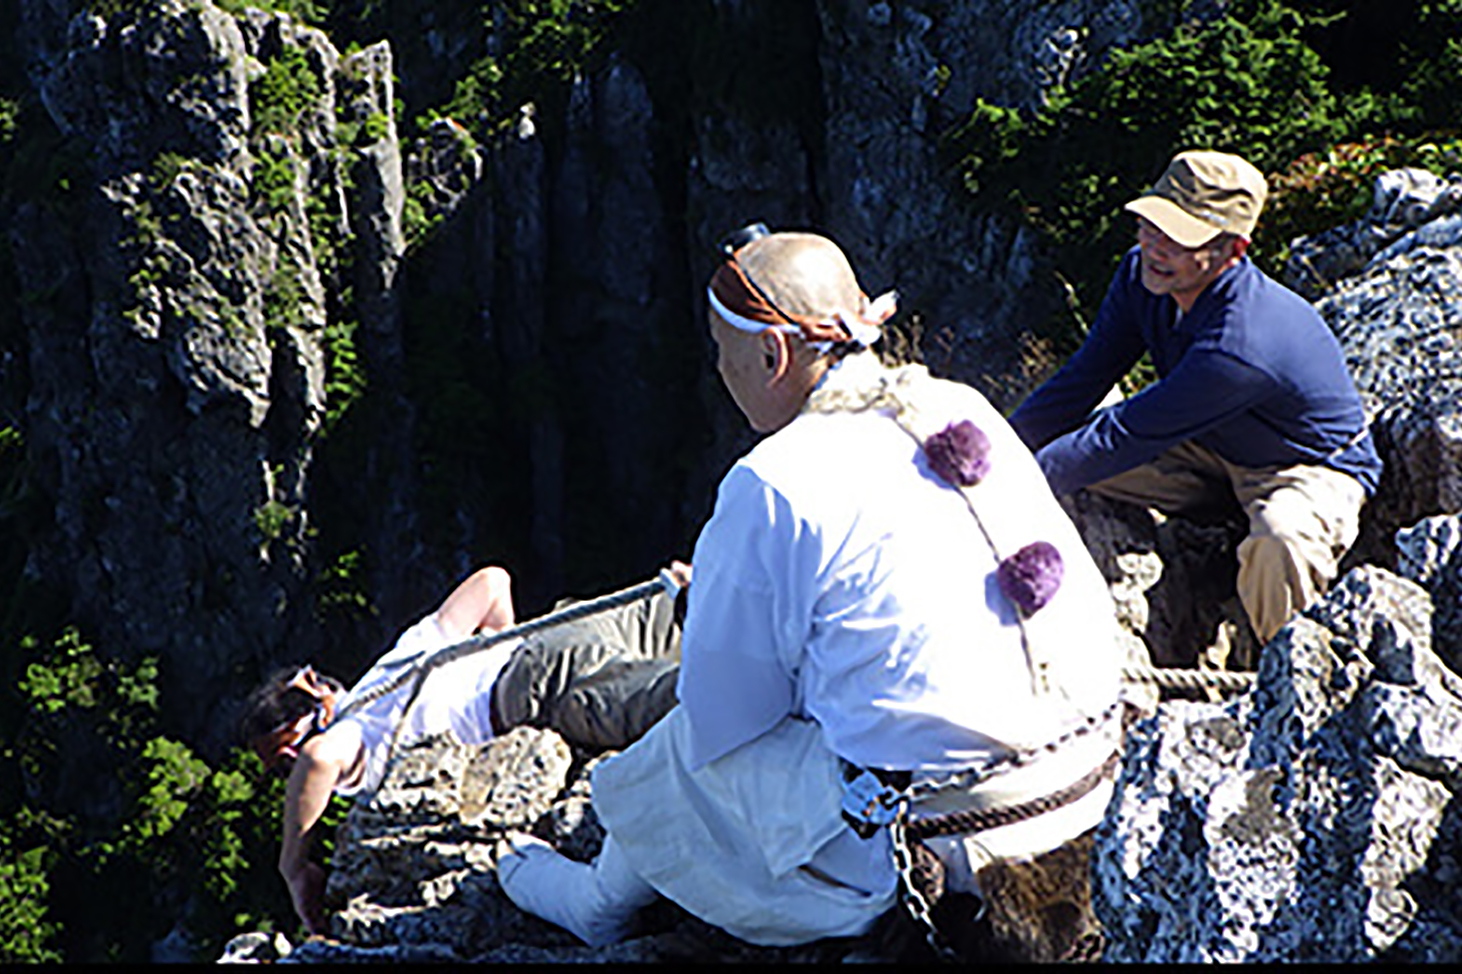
column 172, row 400
column 1312, row 820
column 414, row 877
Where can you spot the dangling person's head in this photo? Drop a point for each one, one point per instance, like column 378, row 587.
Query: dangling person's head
column 292, row 704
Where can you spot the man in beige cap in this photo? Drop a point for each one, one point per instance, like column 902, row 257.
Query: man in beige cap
column 1253, row 403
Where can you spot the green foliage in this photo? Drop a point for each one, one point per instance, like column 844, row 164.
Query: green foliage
column 284, row 301
column 311, row 12
column 287, row 87
column 166, row 167
column 538, row 44
column 272, row 517
column 112, row 9
column 9, row 118
column 327, row 237
column 416, row 224
column 174, row 776
column 274, row 181
column 25, row 934
column 1325, row 189
column 182, row 840
column 376, row 127
column 341, row 588
column 67, row 677
column 1245, row 82
column 345, row 381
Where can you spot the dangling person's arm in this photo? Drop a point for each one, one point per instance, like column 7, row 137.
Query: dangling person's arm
column 324, row 761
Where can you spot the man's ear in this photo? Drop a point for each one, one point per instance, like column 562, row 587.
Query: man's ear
column 1241, row 246
column 776, row 353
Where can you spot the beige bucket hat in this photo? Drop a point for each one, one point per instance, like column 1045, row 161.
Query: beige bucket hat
column 1202, row 194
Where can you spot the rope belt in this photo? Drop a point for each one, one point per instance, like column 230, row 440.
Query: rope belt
column 978, row 820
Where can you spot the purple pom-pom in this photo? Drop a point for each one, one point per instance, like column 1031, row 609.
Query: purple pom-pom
column 959, row 453
column 1031, row 576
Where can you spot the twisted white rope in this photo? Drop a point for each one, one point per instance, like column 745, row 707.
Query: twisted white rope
column 1185, row 679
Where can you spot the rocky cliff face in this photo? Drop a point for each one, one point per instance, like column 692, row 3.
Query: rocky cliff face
column 227, row 272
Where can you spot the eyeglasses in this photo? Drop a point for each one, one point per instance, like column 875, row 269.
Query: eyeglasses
column 733, row 242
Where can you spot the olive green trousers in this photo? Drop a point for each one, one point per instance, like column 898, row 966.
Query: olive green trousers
column 600, row 682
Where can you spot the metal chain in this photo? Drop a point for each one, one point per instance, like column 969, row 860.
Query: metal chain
column 910, row 895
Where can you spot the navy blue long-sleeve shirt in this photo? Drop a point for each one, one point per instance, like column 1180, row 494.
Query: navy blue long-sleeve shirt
column 1251, row 371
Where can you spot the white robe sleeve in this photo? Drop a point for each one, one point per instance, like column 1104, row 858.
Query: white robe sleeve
column 747, row 619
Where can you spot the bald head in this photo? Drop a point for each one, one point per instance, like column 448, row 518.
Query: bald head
column 783, row 309
column 803, row 273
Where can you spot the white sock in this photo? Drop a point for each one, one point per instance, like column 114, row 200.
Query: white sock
column 596, row 903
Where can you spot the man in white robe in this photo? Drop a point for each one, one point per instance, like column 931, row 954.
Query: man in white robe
column 858, row 604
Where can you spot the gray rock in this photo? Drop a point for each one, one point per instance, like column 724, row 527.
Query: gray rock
column 255, row 948
column 413, row 875
column 512, row 782
column 448, row 162
column 1306, row 821
column 177, row 364
column 1402, row 201
column 322, row 951
column 1397, row 321
column 1427, row 553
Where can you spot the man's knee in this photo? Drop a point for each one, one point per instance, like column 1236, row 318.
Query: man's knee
column 1278, row 576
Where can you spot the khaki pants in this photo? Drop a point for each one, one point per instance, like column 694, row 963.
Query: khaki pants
column 1301, row 520
column 600, row 682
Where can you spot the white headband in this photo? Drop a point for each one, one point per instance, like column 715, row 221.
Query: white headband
column 864, row 334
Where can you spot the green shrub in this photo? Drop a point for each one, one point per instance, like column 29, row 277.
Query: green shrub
column 287, row 87
column 1329, row 188
column 274, row 181
column 543, row 43
column 272, row 517
column 313, row 12
column 345, row 380
column 180, row 840
column 9, row 116
column 25, row 933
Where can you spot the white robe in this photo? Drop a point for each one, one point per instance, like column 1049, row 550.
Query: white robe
column 845, row 604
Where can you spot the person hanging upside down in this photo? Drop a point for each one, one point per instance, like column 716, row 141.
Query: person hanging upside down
column 600, row 681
